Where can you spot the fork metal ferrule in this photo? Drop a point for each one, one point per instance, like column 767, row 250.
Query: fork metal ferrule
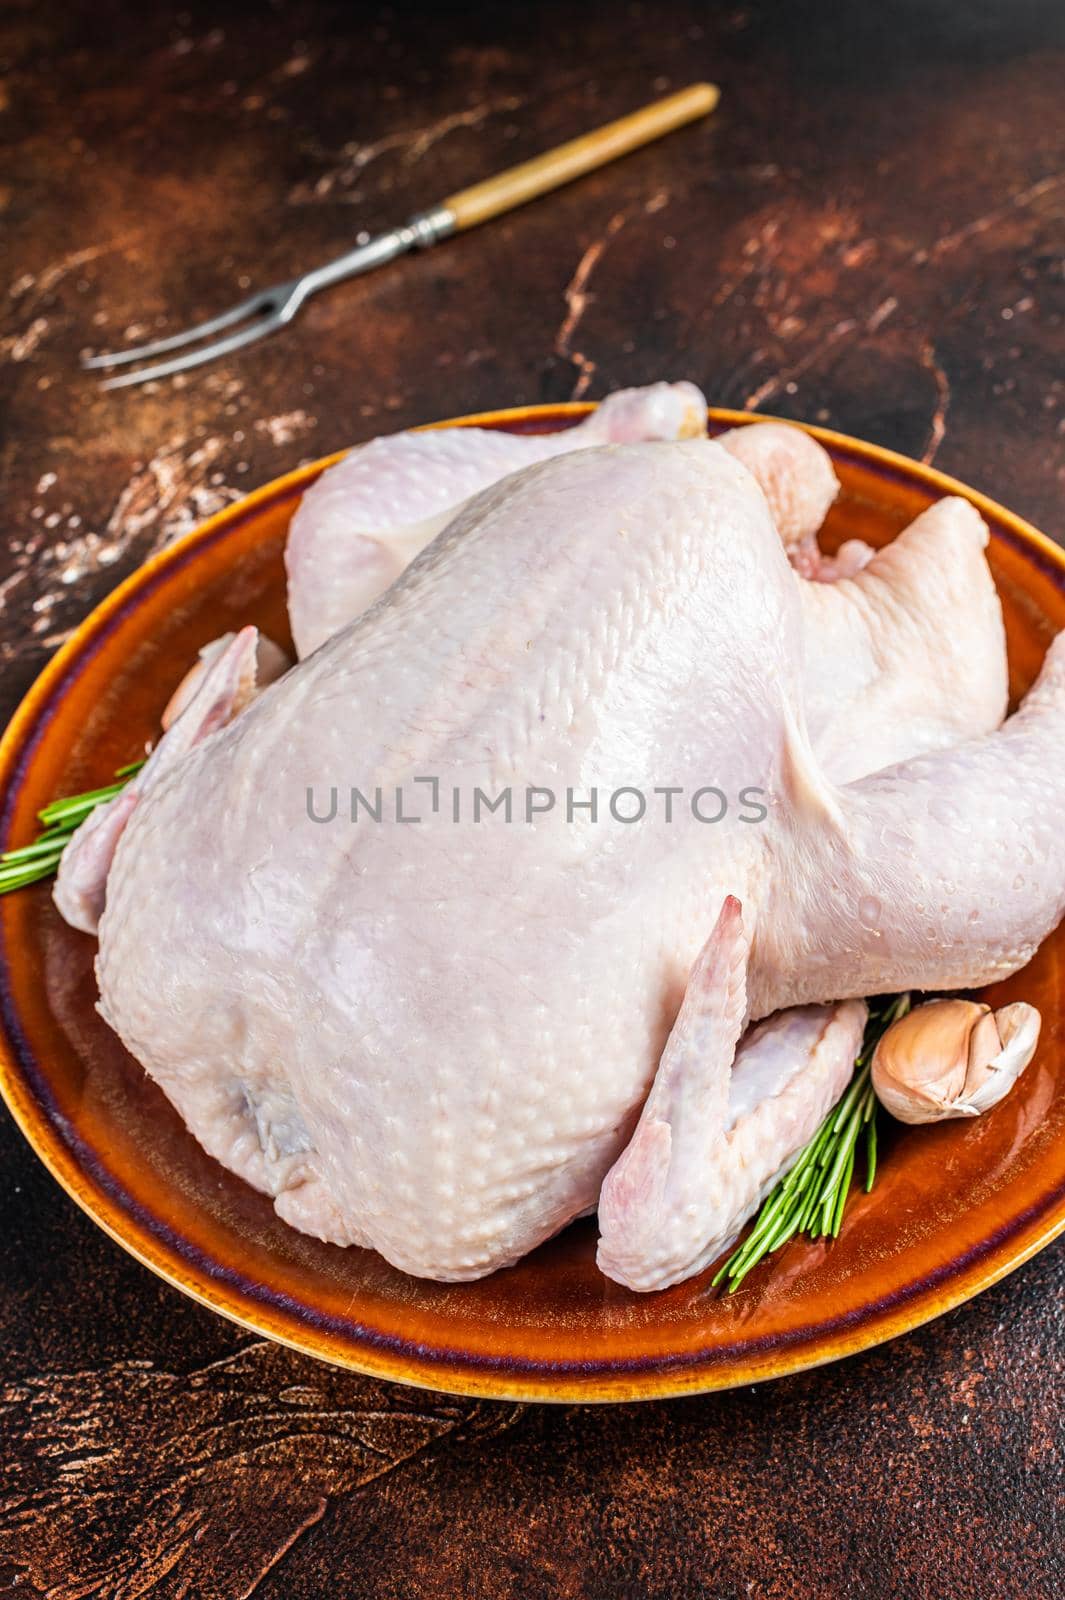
column 429, row 226
column 419, row 233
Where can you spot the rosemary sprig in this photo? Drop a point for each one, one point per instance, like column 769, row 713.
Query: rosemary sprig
column 811, row 1196
column 58, row 820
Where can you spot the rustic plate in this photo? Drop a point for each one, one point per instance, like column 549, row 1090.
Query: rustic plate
column 955, row 1206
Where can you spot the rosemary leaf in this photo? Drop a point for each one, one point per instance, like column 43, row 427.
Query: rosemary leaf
column 870, row 1153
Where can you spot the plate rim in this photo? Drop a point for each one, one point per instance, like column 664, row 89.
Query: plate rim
column 448, row 1371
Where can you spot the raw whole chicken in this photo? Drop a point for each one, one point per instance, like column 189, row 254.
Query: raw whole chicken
column 439, row 1039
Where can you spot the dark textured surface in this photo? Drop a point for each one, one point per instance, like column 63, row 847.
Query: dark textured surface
column 868, row 234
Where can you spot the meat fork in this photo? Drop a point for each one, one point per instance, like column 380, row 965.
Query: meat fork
column 270, row 309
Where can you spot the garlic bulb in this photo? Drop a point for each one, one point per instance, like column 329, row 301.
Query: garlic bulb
column 952, row 1058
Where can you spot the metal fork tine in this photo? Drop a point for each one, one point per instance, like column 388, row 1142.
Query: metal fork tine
column 254, row 305
column 196, row 358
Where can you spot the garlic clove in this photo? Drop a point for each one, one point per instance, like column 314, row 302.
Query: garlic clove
column 920, row 1063
column 996, row 1064
column 952, row 1058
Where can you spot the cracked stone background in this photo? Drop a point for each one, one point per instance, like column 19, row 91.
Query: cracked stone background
column 869, row 233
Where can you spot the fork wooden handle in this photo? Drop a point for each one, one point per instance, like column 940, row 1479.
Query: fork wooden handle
column 568, row 161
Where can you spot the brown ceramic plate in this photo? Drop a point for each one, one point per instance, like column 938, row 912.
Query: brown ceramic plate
column 955, row 1207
